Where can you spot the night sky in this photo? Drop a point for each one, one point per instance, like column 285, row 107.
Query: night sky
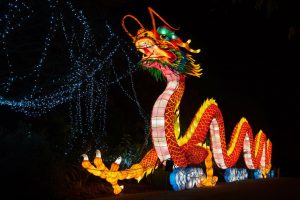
column 249, row 56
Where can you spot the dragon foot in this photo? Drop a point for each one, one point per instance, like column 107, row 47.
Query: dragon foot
column 112, row 175
column 210, row 179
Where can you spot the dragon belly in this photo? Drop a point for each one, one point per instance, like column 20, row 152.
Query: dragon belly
column 158, row 119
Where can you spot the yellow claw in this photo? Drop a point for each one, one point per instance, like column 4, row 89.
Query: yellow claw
column 98, row 161
column 112, row 175
column 115, row 166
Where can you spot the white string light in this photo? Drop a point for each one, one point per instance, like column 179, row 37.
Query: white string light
column 87, row 79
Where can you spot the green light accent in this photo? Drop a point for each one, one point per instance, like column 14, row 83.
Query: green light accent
column 174, row 36
column 169, row 35
column 163, row 31
column 157, row 74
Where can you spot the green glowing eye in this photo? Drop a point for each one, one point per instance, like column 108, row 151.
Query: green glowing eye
column 164, row 37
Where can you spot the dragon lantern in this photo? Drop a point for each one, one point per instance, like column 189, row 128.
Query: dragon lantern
column 166, row 56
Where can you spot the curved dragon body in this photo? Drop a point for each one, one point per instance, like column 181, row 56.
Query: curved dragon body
column 186, row 150
column 164, row 58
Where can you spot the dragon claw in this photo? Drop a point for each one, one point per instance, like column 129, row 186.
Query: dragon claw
column 113, row 174
column 85, row 157
column 98, row 153
column 118, row 160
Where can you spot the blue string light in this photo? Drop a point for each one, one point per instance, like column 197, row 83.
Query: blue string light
column 88, row 76
column 17, row 13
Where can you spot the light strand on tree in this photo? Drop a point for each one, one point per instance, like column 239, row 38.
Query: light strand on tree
column 87, row 78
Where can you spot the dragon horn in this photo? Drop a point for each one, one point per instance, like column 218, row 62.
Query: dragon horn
column 151, row 11
column 187, row 47
column 124, row 27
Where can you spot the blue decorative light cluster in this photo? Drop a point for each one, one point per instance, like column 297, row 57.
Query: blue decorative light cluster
column 259, row 175
column 88, row 76
column 186, row 178
column 235, row 174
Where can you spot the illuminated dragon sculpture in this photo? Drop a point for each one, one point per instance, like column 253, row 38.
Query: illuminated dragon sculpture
column 166, row 56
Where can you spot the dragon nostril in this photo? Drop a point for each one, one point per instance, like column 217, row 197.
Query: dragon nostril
column 146, row 44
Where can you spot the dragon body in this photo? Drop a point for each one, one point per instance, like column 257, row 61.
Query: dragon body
column 163, row 56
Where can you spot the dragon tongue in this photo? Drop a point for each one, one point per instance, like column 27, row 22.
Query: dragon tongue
column 152, row 65
column 147, row 51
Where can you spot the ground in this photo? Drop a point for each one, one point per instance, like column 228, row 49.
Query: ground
column 275, row 188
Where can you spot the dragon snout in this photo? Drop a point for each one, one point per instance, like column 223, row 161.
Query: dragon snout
column 144, row 43
column 145, row 46
column 151, row 50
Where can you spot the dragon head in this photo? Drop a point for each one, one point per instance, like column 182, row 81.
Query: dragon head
column 162, row 48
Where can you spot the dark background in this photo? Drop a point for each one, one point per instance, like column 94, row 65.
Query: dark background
column 249, row 60
column 249, row 56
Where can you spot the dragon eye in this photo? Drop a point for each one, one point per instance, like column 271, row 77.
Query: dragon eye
column 163, row 37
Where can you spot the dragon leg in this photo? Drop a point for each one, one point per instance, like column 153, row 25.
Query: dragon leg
column 210, row 180
column 113, row 175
